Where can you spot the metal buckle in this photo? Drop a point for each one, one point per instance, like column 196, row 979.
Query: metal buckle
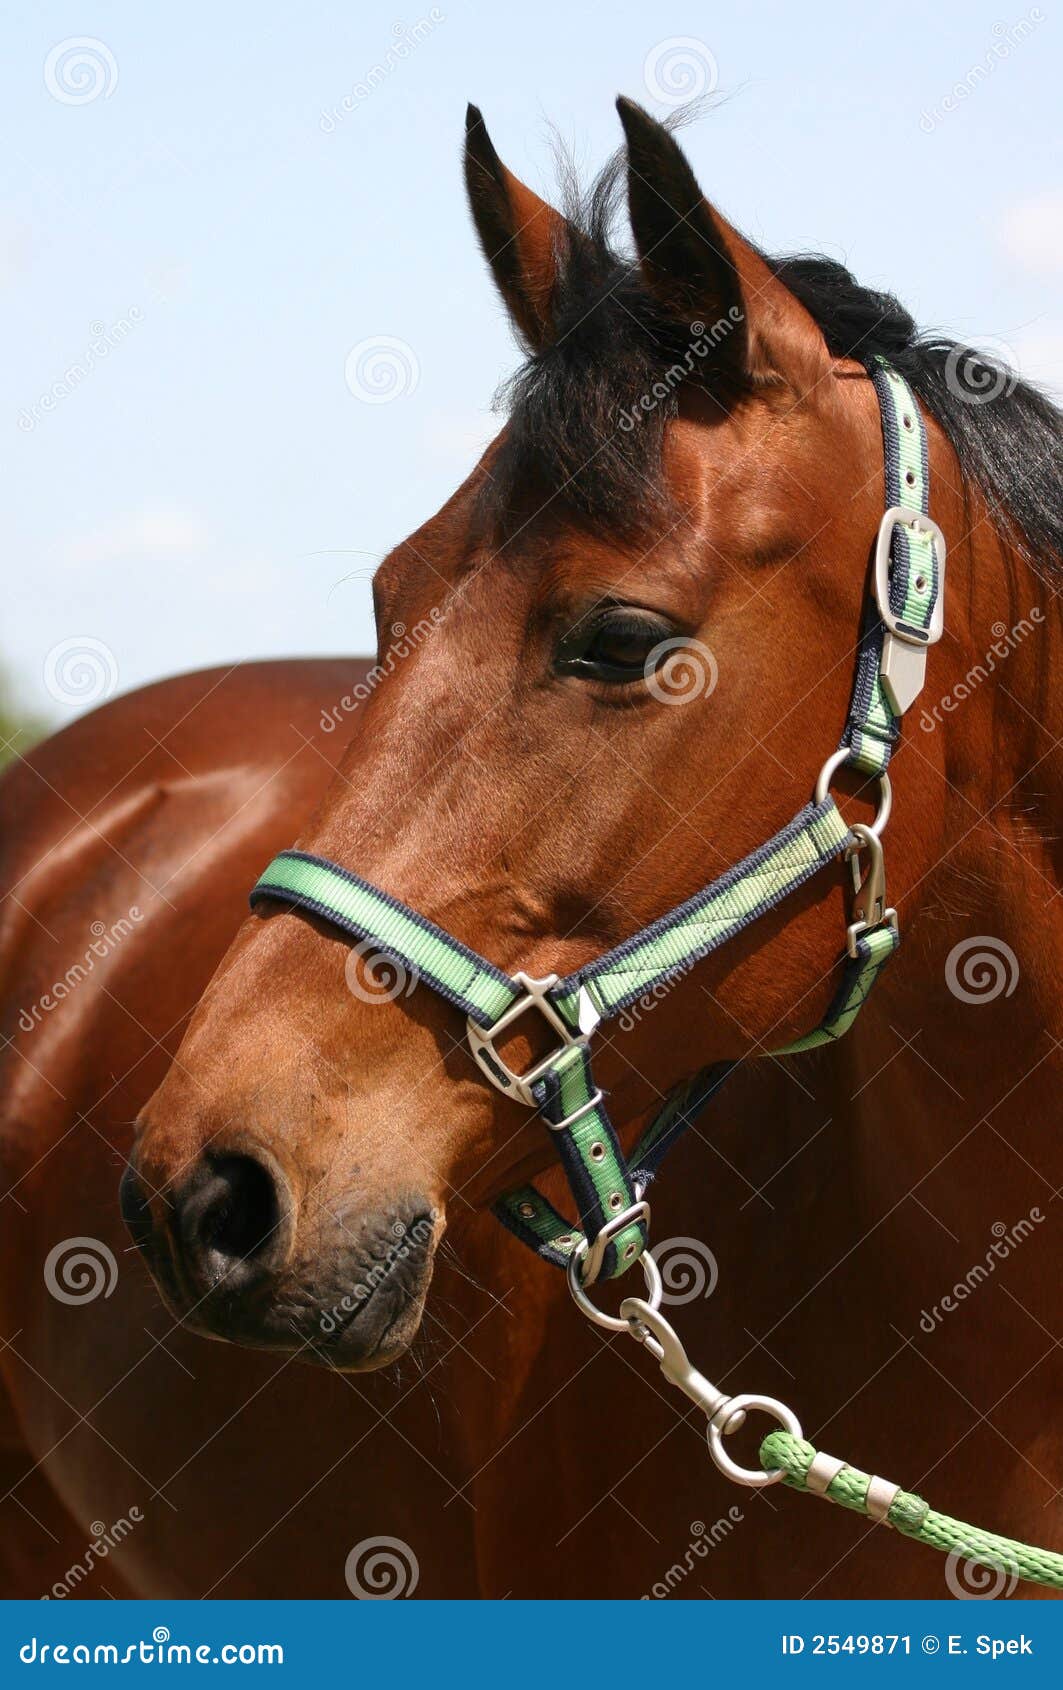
column 506, row 1079
column 585, row 1264
column 578, row 1280
column 871, row 911
column 904, row 648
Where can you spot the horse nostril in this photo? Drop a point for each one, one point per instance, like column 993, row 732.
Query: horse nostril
column 244, row 1220
column 230, row 1221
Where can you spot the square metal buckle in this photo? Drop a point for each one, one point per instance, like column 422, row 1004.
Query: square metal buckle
column 903, row 665
column 482, row 1041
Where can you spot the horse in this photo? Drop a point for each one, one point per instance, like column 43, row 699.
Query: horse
column 642, row 609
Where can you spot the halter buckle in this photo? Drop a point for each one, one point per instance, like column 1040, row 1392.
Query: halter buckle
column 904, row 647
column 535, row 996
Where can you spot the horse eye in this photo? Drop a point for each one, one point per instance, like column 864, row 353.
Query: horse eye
column 616, row 646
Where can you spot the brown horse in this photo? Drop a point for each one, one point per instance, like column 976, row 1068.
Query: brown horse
column 881, row 1216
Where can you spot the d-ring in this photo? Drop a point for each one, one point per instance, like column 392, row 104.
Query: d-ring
column 885, row 802
column 654, row 1290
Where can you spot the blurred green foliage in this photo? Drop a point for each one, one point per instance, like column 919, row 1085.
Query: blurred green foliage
column 19, row 729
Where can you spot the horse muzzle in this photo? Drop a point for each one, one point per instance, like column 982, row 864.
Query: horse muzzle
column 235, row 1259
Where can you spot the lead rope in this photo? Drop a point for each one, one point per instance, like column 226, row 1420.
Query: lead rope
column 786, row 1456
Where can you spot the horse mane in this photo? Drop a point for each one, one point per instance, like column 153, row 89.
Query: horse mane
column 613, row 343
column 1006, row 433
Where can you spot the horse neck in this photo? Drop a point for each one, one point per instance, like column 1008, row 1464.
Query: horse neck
column 959, row 1036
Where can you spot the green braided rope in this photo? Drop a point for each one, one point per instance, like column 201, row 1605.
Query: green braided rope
column 914, row 1518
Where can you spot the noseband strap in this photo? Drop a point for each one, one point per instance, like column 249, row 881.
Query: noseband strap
column 903, row 617
column 606, row 1187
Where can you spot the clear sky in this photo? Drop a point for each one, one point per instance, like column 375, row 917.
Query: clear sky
column 208, row 206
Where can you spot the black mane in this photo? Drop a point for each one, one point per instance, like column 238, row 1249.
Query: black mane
column 613, row 344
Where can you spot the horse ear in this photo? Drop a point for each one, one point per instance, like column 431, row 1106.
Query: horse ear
column 523, row 238
column 697, row 265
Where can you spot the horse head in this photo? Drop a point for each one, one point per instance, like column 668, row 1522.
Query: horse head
column 608, row 668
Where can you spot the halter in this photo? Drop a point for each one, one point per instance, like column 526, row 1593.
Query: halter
column 903, row 617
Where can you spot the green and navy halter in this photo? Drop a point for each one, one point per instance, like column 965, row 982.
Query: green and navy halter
column 903, row 618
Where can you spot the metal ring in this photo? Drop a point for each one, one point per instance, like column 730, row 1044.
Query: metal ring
column 755, row 1477
column 885, row 802
column 654, row 1290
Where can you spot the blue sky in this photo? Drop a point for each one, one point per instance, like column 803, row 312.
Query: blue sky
column 218, row 203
